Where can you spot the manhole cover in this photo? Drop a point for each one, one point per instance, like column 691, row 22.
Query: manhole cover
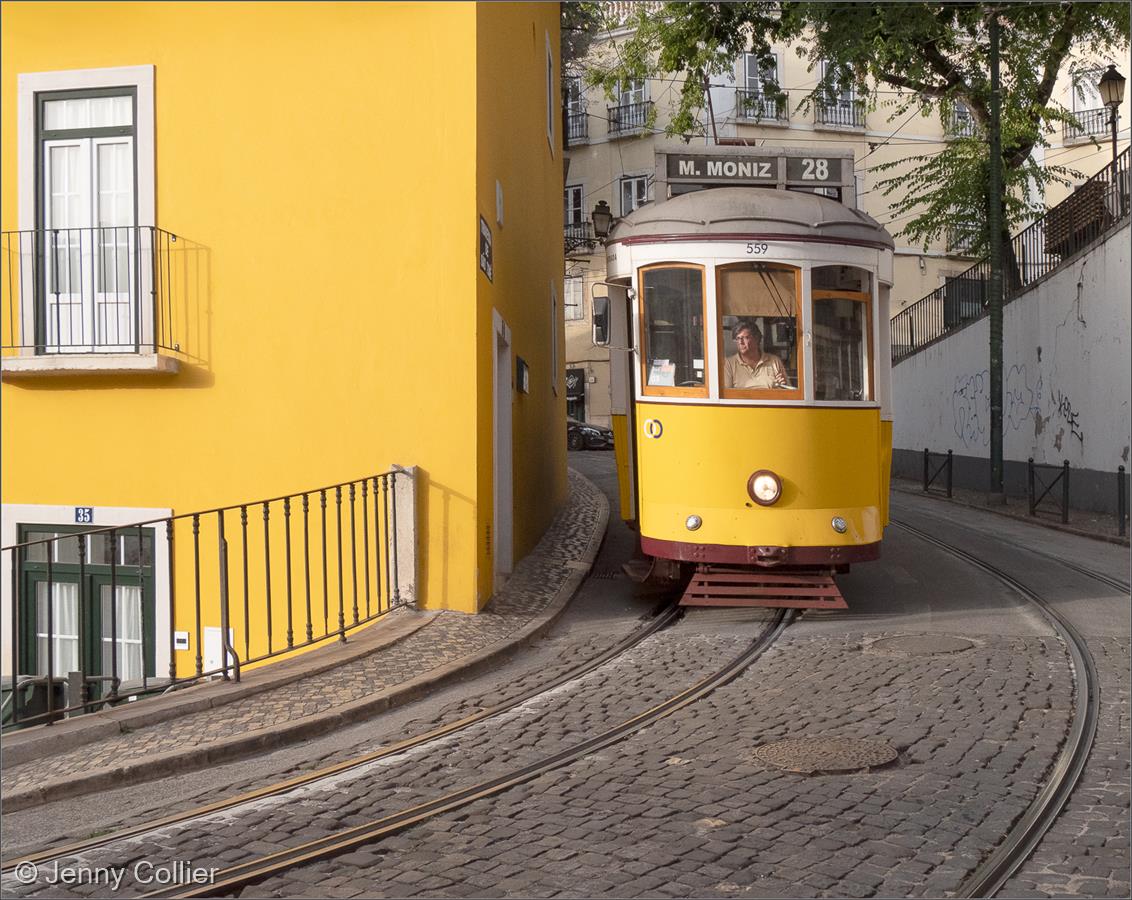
column 810, row 755
column 921, row 644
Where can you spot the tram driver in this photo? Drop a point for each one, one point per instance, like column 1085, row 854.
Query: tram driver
column 751, row 367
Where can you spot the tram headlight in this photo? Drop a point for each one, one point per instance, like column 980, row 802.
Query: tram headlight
column 764, row 487
column 839, row 525
column 693, row 522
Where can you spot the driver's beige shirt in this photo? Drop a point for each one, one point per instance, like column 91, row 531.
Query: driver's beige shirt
column 768, row 372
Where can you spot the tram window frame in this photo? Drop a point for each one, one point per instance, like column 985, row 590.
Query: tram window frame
column 866, row 299
column 793, row 394
column 698, row 392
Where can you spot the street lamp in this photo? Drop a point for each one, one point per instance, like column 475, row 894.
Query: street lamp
column 1111, row 87
column 602, row 217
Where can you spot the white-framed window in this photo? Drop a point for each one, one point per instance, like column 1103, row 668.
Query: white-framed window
column 636, row 91
column 838, row 93
column 760, row 79
column 1086, row 95
column 551, row 105
column 634, row 192
column 572, row 205
column 573, row 298
column 85, row 169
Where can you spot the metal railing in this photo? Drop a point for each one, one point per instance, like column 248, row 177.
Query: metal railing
column 1065, row 230
column 629, row 117
column 841, row 113
column 962, row 123
column 579, row 236
column 758, row 107
column 107, row 614
column 91, row 290
column 1093, row 122
column 577, row 127
column 945, row 466
column 1034, row 483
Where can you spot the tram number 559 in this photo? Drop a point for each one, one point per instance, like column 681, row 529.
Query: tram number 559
column 756, row 249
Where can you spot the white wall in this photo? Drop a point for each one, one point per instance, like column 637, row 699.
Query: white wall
column 1066, row 368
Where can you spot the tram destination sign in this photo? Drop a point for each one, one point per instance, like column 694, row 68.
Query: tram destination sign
column 752, row 170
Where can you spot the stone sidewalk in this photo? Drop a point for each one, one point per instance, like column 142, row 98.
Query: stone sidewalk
column 421, row 657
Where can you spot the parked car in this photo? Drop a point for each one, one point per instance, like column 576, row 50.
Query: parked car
column 583, row 436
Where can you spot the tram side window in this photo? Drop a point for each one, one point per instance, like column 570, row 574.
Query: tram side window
column 758, row 306
column 841, row 297
column 673, row 300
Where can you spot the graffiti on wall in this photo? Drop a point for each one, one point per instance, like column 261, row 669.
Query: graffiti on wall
column 1023, row 402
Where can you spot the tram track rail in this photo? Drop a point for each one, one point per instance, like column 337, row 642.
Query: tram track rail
column 1009, row 856
column 661, row 620
column 231, row 880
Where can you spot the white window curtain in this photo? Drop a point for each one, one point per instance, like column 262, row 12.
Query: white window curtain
column 129, row 627
column 64, row 628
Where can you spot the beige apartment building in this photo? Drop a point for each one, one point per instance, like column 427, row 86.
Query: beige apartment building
column 613, row 157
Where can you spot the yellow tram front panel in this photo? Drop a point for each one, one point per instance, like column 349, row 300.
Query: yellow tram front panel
column 697, row 459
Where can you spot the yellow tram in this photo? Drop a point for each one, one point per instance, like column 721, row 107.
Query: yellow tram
column 749, row 338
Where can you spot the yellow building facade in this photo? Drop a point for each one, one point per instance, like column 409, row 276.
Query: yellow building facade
column 332, row 233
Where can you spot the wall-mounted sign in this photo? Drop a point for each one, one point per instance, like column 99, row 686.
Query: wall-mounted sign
column 485, row 250
column 576, row 383
column 522, row 375
column 84, row 515
column 815, row 169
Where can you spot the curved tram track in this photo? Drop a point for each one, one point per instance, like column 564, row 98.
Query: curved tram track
column 1020, row 842
column 230, row 881
column 664, row 618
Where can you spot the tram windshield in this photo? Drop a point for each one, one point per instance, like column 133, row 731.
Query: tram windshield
column 673, row 316
column 758, row 330
column 841, row 297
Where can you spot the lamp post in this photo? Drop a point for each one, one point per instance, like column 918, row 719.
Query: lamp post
column 1111, row 88
column 602, row 217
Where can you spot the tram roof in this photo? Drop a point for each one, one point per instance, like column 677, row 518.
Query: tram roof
column 746, row 211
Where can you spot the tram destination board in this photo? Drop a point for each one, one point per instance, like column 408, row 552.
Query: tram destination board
column 750, row 170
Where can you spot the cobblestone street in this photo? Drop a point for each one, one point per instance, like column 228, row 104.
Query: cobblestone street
column 971, row 689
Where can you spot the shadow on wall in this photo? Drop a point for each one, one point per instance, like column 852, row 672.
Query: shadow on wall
column 443, row 516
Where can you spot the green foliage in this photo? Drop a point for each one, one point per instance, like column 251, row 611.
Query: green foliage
column 935, row 56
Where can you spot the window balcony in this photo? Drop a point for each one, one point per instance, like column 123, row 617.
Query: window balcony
column 755, row 106
column 577, row 128
column 90, row 300
column 579, row 238
column 840, row 113
column 629, row 118
column 1093, row 122
column 962, row 124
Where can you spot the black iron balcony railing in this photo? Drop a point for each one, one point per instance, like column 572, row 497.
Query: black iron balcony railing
column 577, row 127
column 841, row 113
column 756, row 106
column 237, row 586
column 579, row 238
column 90, row 290
column 629, row 117
column 1093, row 122
column 1065, row 230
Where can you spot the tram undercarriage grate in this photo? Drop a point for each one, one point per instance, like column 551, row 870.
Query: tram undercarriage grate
column 785, row 587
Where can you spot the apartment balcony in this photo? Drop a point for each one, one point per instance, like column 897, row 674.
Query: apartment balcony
column 1094, row 122
column 92, row 300
column 629, row 118
column 579, row 238
column 962, row 124
column 840, row 114
column 577, row 129
column 757, row 107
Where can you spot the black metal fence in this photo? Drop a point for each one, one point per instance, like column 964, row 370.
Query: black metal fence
column 91, row 290
column 945, row 466
column 757, row 106
column 627, row 117
column 579, row 237
column 100, row 615
column 1066, row 229
column 1035, row 483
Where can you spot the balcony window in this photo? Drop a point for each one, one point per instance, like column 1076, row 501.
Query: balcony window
column 839, row 107
column 634, row 192
column 756, row 99
column 962, row 122
column 1093, row 122
column 632, row 110
column 574, row 108
column 572, row 296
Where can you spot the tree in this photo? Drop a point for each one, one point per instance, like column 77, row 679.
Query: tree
column 935, row 56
